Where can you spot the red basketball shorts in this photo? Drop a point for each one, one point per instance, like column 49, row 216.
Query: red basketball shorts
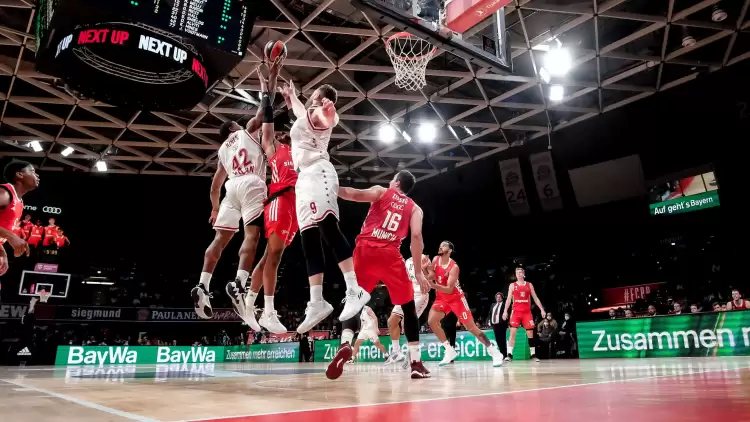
column 522, row 318
column 280, row 217
column 373, row 264
column 456, row 304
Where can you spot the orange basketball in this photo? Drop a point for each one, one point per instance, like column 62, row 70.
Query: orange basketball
column 275, row 50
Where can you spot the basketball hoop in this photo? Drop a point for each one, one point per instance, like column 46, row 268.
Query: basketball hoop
column 409, row 55
column 44, row 296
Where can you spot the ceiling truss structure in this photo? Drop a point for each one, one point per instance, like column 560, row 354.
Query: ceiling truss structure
column 624, row 51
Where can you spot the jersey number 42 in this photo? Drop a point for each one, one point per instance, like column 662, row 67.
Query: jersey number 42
column 241, row 164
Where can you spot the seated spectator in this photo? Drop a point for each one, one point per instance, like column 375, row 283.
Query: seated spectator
column 652, row 310
column 738, row 302
column 694, row 309
column 677, row 308
column 716, row 307
column 612, row 314
column 628, row 313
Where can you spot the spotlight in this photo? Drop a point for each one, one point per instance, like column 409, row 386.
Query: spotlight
column 546, row 77
column 556, row 92
column 101, row 165
column 718, row 14
column 688, row 40
column 387, row 133
column 36, row 146
column 557, row 61
column 67, row 151
column 427, row 132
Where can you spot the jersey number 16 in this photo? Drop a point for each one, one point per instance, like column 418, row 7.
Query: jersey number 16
column 392, row 220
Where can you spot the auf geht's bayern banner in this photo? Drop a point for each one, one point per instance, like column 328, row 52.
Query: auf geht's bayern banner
column 707, row 334
column 121, row 355
column 467, row 346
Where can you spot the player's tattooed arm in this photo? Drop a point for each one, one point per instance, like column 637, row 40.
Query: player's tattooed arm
column 537, row 301
column 219, row 177
column 371, row 194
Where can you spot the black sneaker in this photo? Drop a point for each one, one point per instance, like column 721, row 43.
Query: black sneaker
column 236, row 293
column 509, row 358
column 202, row 301
column 534, row 358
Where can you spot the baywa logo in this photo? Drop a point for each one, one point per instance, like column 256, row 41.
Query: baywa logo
column 194, row 354
column 666, row 340
column 105, row 356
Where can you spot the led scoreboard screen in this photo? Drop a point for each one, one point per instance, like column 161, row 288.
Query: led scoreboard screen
column 221, row 23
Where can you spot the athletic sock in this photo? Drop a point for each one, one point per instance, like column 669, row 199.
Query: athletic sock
column 395, row 345
column 252, row 295
column 316, row 293
column 347, row 336
column 205, row 280
column 243, row 276
column 414, row 353
column 351, row 280
column 268, row 303
column 447, row 345
column 532, row 350
column 510, row 349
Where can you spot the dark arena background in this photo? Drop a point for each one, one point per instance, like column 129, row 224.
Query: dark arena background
column 611, row 176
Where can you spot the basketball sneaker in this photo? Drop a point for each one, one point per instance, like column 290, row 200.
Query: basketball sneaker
column 336, row 367
column 270, row 321
column 449, row 356
column 236, row 294
column 509, row 358
column 314, row 313
column 355, row 300
column 202, row 301
column 535, row 359
column 418, row 370
column 497, row 357
column 395, row 357
column 250, row 310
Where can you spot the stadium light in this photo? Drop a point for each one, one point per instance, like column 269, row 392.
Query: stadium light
column 427, row 132
column 557, row 61
column 556, row 92
column 36, row 146
column 67, row 151
column 101, row 165
column 387, row 133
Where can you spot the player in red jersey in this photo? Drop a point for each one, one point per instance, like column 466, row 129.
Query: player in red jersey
column 520, row 292
column 26, row 226
column 22, row 178
column 738, row 302
column 50, row 232
column 35, row 234
column 61, row 240
column 377, row 258
column 450, row 298
column 280, row 219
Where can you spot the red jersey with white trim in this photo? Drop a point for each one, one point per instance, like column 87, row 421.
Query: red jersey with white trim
column 309, row 143
column 387, row 222
column 26, row 226
column 742, row 305
column 522, row 297
column 441, row 278
column 10, row 217
column 37, row 231
column 242, row 155
column 60, row 240
column 282, row 169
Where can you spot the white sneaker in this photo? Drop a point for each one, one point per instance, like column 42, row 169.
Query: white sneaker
column 356, row 299
column 270, row 321
column 497, row 357
column 395, row 357
column 249, row 317
column 315, row 312
column 236, row 294
column 202, row 302
column 449, row 356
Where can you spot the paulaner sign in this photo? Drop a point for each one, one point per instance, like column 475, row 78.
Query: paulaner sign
column 706, row 334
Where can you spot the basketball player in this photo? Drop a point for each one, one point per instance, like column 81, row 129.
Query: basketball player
column 377, row 258
column 317, row 206
column 369, row 330
column 450, row 298
column 241, row 159
column 737, row 303
column 280, row 218
column 50, row 231
column 397, row 314
column 22, row 178
column 519, row 293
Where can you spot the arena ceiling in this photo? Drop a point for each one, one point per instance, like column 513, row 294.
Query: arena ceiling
column 623, row 51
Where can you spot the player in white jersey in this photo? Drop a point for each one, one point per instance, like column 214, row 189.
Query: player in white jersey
column 368, row 330
column 421, row 298
column 241, row 160
column 317, row 202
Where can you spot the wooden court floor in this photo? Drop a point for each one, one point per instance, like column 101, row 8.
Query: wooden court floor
column 658, row 390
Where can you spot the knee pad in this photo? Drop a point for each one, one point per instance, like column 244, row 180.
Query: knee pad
column 313, row 250
column 411, row 322
column 329, row 229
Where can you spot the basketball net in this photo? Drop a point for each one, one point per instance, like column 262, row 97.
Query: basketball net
column 44, row 296
column 409, row 55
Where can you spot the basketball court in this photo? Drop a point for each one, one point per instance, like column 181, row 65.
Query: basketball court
column 692, row 389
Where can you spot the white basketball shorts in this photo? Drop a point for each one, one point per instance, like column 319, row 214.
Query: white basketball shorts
column 420, row 301
column 244, row 199
column 368, row 335
column 317, row 191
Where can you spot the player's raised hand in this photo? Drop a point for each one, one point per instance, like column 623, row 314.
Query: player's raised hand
column 214, row 215
column 505, row 316
column 19, row 246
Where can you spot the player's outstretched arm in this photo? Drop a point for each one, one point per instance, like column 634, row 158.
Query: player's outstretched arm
column 536, row 300
column 290, row 96
column 371, row 194
column 429, row 270
column 325, row 116
column 268, row 143
column 253, row 125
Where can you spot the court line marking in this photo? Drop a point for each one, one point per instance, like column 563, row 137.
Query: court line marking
column 85, row 403
column 499, row 393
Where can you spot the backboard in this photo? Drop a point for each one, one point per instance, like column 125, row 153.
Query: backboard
column 33, row 281
column 470, row 29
